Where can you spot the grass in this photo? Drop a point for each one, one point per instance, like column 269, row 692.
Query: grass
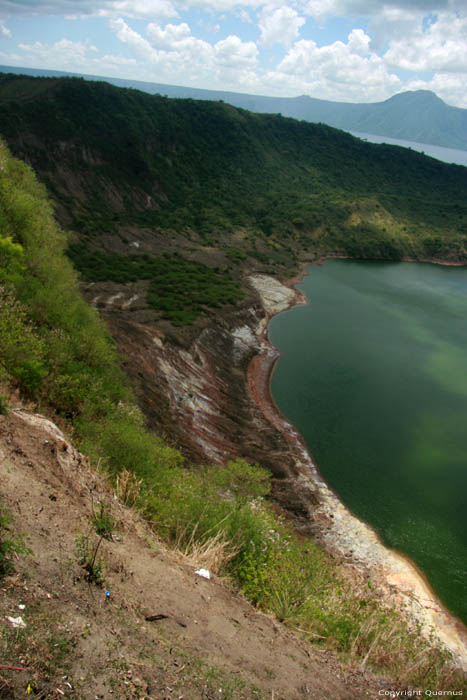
column 212, row 554
column 12, row 543
column 43, row 649
column 102, row 520
column 221, row 521
column 87, row 550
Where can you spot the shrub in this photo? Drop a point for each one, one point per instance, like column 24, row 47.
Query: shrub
column 86, row 552
column 22, row 351
column 181, row 289
column 119, row 441
column 52, row 344
column 3, row 405
column 102, row 520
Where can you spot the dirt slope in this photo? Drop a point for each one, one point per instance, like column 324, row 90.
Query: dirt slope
column 79, row 643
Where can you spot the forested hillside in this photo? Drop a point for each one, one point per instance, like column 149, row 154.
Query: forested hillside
column 417, row 115
column 114, row 159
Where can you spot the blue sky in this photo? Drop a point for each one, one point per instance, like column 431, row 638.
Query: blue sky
column 349, row 50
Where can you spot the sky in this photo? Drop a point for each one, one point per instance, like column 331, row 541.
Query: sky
column 344, row 50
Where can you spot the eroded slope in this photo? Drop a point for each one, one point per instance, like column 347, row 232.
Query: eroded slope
column 78, row 643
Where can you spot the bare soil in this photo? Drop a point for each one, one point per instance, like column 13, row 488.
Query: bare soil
column 203, row 641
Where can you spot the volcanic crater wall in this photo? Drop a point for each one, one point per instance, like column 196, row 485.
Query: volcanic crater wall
column 209, row 393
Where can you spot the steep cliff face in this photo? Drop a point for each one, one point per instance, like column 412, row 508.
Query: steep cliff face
column 206, row 389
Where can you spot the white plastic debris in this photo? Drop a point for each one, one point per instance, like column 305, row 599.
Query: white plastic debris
column 21, row 606
column 204, row 573
column 16, row 621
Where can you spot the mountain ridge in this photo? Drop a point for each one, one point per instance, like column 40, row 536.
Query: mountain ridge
column 207, row 167
column 444, row 125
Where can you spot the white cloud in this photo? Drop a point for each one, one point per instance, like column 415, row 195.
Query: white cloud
column 149, row 9
column 174, row 55
column 359, row 42
column 70, row 55
column 321, row 9
column 221, row 5
column 392, row 23
column 64, row 52
column 131, row 38
column 163, row 9
column 173, row 35
column 337, row 71
column 426, row 39
column 280, row 26
column 73, row 9
column 117, row 61
column 4, row 31
column 440, row 45
column 235, row 53
column 243, row 15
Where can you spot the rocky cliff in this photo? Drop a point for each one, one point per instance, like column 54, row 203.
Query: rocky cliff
column 206, row 389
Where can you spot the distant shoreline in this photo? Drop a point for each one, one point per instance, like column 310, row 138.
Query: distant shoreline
column 320, row 261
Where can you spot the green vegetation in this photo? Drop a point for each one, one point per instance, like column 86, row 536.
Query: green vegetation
column 102, row 520
column 180, row 288
column 54, row 347
column 44, row 643
column 116, row 158
column 86, row 552
column 11, row 543
column 417, row 115
column 55, row 350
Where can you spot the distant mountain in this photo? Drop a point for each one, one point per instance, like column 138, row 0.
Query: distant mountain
column 418, row 116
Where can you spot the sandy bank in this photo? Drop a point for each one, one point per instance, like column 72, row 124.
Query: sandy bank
column 341, row 532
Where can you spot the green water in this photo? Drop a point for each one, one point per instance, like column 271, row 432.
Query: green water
column 373, row 373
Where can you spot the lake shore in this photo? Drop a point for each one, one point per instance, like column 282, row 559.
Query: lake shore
column 341, row 532
column 431, row 261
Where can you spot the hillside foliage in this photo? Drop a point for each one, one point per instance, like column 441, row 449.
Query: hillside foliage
column 417, row 115
column 115, row 158
column 179, row 288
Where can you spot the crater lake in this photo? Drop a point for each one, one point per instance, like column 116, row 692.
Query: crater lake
column 373, row 372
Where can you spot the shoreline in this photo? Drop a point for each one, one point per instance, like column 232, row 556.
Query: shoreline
column 339, row 530
column 429, row 261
